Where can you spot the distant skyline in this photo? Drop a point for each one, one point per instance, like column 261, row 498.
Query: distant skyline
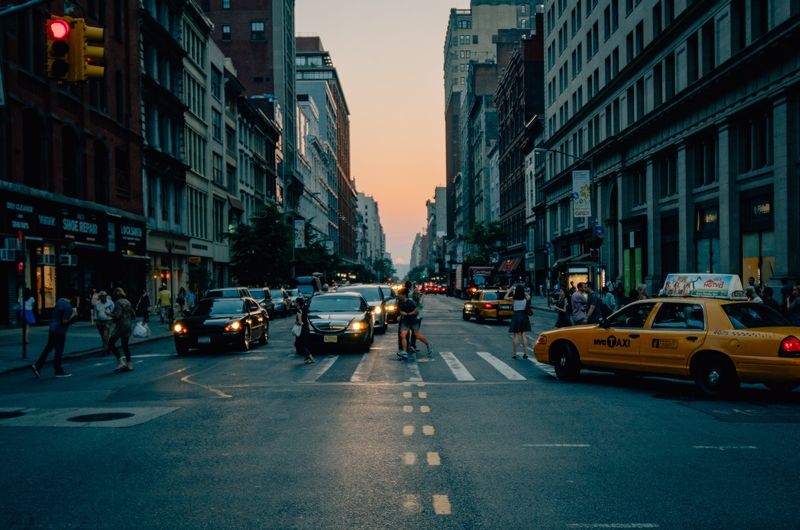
column 389, row 57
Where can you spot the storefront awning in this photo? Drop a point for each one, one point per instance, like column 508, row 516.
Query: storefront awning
column 87, row 246
column 509, row 265
column 136, row 258
column 577, row 258
column 235, row 203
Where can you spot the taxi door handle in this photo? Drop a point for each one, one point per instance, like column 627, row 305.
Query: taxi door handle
column 634, row 336
column 691, row 338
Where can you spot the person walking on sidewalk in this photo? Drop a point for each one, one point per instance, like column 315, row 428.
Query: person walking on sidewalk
column 102, row 318
column 122, row 316
column 164, row 303
column 520, row 323
column 26, row 314
column 408, row 313
column 143, row 305
column 63, row 315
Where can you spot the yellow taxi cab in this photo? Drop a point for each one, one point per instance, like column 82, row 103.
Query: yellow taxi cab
column 488, row 303
column 702, row 328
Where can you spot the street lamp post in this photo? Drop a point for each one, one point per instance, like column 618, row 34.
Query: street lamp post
column 592, row 191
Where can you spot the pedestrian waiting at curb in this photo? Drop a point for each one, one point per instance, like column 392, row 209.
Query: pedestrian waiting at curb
column 122, row 316
column 102, row 318
column 520, row 323
column 63, row 314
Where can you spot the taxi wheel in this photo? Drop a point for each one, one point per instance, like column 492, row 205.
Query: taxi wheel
column 479, row 317
column 566, row 362
column 465, row 316
column 715, row 376
column 782, row 388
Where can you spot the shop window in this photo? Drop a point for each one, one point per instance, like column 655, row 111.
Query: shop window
column 707, row 247
column 758, row 236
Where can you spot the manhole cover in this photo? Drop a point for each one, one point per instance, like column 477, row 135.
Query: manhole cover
column 101, row 416
column 9, row 415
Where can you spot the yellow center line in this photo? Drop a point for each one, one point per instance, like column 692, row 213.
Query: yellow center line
column 441, row 505
column 406, row 394
column 434, row 460
column 408, row 408
column 410, row 459
column 406, row 384
column 411, row 504
column 220, row 393
column 424, row 408
column 427, row 429
column 423, row 395
column 420, row 384
column 408, row 430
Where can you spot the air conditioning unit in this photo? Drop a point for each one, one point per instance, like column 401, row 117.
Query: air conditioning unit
column 12, row 243
column 46, row 259
column 68, row 260
column 7, row 254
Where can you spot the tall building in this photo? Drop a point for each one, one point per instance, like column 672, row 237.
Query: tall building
column 314, row 168
column 314, row 64
column 71, row 163
column 687, row 113
column 375, row 239
column 416, row 252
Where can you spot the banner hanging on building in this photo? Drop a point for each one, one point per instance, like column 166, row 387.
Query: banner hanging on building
column 581, row 193
column 300, row 234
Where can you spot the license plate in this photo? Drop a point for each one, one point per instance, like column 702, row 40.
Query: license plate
column 505, row 307
column 203, row 340
column 330, row 338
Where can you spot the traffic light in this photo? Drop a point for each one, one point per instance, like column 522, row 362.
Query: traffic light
column 86, row 52
column 59, row 52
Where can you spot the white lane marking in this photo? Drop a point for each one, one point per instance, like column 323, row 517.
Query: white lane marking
column 413, row 367
column 614, row 525
column 487, row 327
column 501, row 367
column 556, row 445
column 364, row 369
column 458, row 369
column 321, row 367
column 252, row 358
column 547, row 368
column 724, row 447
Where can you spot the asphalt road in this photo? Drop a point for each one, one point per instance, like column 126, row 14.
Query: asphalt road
column 466, row 438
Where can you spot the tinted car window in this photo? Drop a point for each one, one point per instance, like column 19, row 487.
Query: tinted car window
column 744, row 316
column 371, row 294
column 219, row 306
column 276, row 293
column 489, row 296
column 334, row 304
column 633, row 316
column 679, row 316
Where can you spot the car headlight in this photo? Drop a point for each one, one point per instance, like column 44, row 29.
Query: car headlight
column 178, row 328
column 391, row 307
column 357, row 326
column 234, row 326
column 378, row 310
column 467, row 306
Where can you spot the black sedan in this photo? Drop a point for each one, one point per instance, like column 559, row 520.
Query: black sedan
column 340, row 319
column 222, row 322
column 375, row 297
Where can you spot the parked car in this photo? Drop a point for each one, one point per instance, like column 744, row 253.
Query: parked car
column 340, row 319
column 281, row 302
column 229, row 292
column 263, row 296
column 221, row 322
column 375, row 297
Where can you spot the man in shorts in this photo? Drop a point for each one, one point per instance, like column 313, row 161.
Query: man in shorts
column 409, row 322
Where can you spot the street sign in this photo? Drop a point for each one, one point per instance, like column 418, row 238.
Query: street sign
column 195, row 259
column 154, row 271
column 599, row 231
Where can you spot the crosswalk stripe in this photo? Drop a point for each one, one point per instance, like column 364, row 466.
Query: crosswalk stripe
column 321, row 367
column 501, row 367
column 458, row 369
column 364, row 369
column 547, row 368
column 413, row 367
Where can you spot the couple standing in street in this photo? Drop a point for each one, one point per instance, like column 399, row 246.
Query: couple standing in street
column 409, row 322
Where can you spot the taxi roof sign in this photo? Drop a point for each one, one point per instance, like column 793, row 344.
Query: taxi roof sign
column 703, row 285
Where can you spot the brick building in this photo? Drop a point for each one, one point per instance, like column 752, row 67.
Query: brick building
column 71, row 174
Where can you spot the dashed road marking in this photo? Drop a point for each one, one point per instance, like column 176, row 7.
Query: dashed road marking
column 428, row 430
column 420, row 384
column 434, row 460
column 409, row 459
column 411, row 504
column 408, row 430
column 441, row 505
column 423, row 395
column 424, row 408
column 614, row 525
column 413, row 368
column 458, row 369
column 408, row 408
column 406, row 394
column 501, row 367
column 321, row 367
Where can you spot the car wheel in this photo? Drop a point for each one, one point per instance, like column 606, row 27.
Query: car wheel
column 479, row 318
column 244, row 344
column 465, row 316
column 782, row 388
column 715, row 376
column 182, row 350
column 566, row 362
column 382, row 331
column 264, row 337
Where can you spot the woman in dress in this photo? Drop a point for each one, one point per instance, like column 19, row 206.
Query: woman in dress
column 520, row 323
column 26, row 314
column 560, row 306
column 122, row 316
column 301, row 319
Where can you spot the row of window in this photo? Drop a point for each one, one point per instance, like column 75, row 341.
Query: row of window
column 258, row 31
column 194, row 95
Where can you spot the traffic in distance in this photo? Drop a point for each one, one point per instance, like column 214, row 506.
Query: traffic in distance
column 701, row 327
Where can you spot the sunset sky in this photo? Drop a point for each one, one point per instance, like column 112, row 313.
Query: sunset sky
column 389, row 57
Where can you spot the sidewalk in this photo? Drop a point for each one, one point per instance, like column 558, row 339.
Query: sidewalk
column 82, row 339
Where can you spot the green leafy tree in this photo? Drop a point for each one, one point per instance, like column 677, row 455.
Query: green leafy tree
column 261, row 251
column 484, row 239
column 315, row 257
column 420, row 274
column 383, row 269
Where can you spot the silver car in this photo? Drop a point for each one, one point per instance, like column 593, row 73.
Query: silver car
column 375, row 296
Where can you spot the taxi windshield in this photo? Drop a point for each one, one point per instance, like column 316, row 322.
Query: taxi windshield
column 747, row 316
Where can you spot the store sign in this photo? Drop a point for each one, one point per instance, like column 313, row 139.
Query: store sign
column 131, row 235
column 19, row 215
column 581, row 193
column 81, row 226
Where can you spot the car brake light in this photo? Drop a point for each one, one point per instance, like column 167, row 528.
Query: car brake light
column 541, row 340
column 487, row 306
column 790, row 347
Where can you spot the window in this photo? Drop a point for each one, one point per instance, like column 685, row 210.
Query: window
column 679, row 316
column 701, row 157
column 669, row 12
column 666, row 168
column 216, row 125
column 219, row 221
column 754, row 131
column 629, row 47
column 474, row 39
column 216, row 166
column 122, row 171
column 226, row 33
column 197, row 206
column 98, row 91
column 628, row 7
column 119, row 90
column 639, row 38
column 669, row 76
column 631, row 317
column 614, row 15
column 709, row 47
column 216, row 84
column 226, row 5
column 738, row 26
column 639, row 175
column 657, row 19
column 759, row 18
column 607, row 23
column 692, row 72
column 615, row 62
column 658, row 80
column 707, row 247
column 257, row 31
column 631, row 99
column 640, row 98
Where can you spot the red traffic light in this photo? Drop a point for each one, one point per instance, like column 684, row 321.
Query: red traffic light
column 58, row 29
column 20, row 266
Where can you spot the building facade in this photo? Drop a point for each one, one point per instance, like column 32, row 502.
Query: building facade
column 687, row 113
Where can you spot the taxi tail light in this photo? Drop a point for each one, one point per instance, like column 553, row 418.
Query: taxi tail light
column 487, row 306
column 541, row 340
column 790, row 347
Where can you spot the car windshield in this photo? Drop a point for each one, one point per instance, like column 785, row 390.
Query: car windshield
column 335, row 304
column 744, row 316
column 276, row 293
column 305, row 289
column 218, row 306
column 371, row 294
column 490, row 295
